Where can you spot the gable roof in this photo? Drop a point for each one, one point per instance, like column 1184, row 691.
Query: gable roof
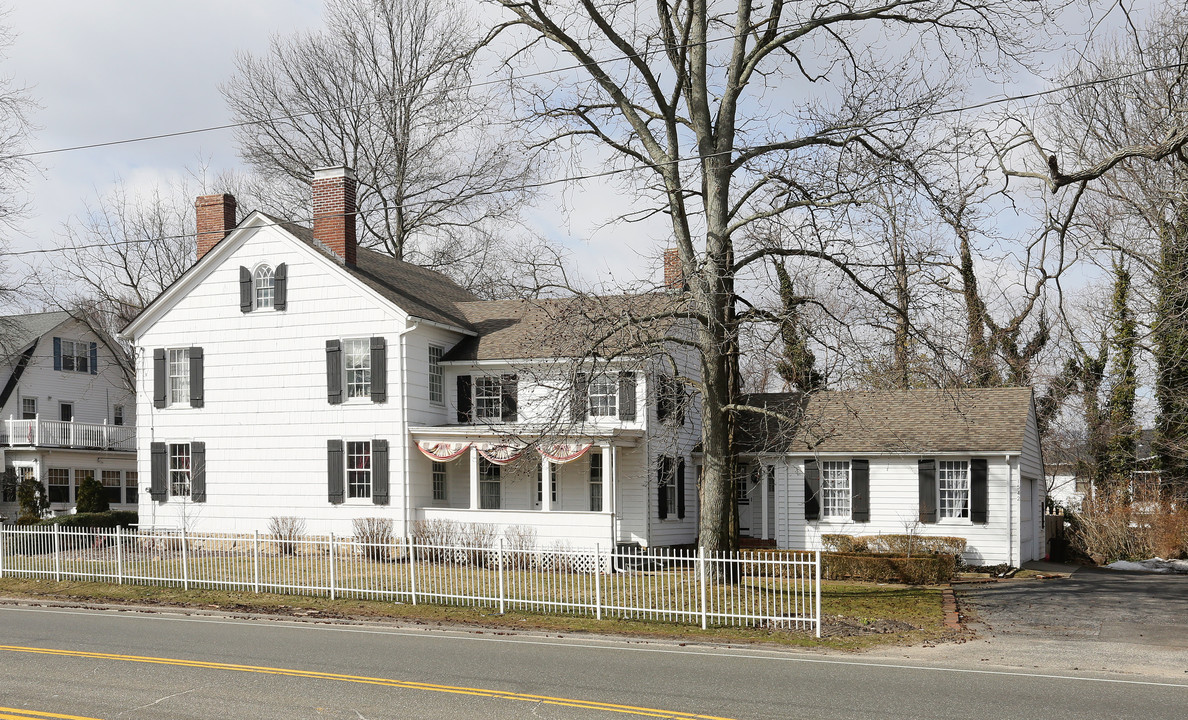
column 975, row 420
column 18, row 332
column 422, row 293
column 562, row 327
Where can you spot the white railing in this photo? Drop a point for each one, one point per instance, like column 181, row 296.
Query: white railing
column 771, row 589
column 60, row 433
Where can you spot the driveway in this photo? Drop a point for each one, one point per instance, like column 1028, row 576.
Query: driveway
column 1092, row 604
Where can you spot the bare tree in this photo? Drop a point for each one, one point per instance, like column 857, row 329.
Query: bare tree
column 387, row 88
column 738, row 114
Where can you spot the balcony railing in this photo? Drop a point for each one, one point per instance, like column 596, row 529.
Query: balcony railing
column 59, row 433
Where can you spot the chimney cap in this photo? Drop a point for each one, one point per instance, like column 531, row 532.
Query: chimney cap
column 333, row 171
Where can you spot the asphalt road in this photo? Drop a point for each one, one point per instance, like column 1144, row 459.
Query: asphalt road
column 110, row 664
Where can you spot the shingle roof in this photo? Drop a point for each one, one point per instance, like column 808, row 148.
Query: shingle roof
column 563, row 327
column 422, row 293
column 17, row 332
column 889, row 421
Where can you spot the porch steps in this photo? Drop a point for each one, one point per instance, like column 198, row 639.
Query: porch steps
column 746, row 543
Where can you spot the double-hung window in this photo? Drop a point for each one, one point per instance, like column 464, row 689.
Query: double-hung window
column 59, row 485
column 263, row 288
column 596, row 482
column 130, row 490
column 358, row 468
column 439, row 481
column 490, row 497
column 436, row 378
column 835, row 489
column 180, row 470
column 552, row 483
column 357, row 362
column 488, row 397
column 29, row 408
column 75, row 355
column 604, row 396
column 953, row 482
column 113, row 486
column 179, row 375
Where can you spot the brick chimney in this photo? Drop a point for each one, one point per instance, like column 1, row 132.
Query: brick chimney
column 674, row 274
column 334, row 211
column 216, row 218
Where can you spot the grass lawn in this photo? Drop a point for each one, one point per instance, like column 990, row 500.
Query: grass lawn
column 857, row 615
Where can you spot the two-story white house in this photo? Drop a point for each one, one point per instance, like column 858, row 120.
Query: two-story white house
column 291, row 373
column 67, row 412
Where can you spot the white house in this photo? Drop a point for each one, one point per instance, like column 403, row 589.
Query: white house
column 290, row 373
column 66, row 412
column 963, row 463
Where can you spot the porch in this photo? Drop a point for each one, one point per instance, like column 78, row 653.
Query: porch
column 542, row 491
column 68, row 434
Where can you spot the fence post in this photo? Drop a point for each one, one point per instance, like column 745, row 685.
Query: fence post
column 597, row 582
column 185, row 559
column 412, row 569
column 3, row 547
column 256, row 561
column 119, row 556
column 57, row 553
column 701, row 583
column 500, row 561
column 818, row 603
column 333, row 595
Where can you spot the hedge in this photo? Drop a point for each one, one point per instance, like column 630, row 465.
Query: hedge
column 109, row 519
column 905, row 545
column 920, row 570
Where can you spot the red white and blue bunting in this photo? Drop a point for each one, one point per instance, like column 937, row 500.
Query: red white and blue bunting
column 500, row 453
column 503, row 453
column 442, row 451
column 562, row 453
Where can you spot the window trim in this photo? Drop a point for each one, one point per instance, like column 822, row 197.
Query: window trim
column 186, row 472
column 183, row 362
column 611, row 397
column 490, row 474
column 436, row 372
column 595, row 481
column 439, row 471
column 257, row 286
column 78, row 363
column 117, row 415
column 847, row 493
column 362, row 488
column 25, row 413
column 69, row 485
column 495, row 384
column 967, row 518
column 668, row 476
column 364, row 394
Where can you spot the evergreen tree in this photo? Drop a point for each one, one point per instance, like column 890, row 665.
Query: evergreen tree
column 91, row 497
column 1170, row 331
column 1121, row 432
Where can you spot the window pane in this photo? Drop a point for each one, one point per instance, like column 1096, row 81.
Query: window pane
column 113, row 486
column 953, row 478
column 596, row 482
column 357, row 360
column 264, row 284
column 436, row 380
column 835, row 489
column 358, row 461
column 67, row 355
column 604, row 397
column 489, row 495
column 29, row 408
column 179, row 470
column 488, row 398
column 179, row 375
column 130, row 487
column 439, row 481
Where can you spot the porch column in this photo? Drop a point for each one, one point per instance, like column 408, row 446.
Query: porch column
column 474, row 478
column 610, row 470
column 546, row 484
column 763, row 494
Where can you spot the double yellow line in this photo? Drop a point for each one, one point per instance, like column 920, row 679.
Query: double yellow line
column 384, row 682
column 7, row 713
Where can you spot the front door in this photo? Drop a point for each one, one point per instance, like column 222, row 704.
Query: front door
column 742, row 494
column 66, row 412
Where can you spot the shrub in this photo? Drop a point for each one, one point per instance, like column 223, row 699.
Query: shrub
column 835, row 542
column 922, row 570
column 520, row 543
column 108, row 519
column 91, row 497
column 1115, row 529
column 287, row 531
column 375, row 534
column 33, row 501
column 895, row 544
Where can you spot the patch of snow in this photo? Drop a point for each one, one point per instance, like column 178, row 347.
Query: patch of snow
column 1154, row 565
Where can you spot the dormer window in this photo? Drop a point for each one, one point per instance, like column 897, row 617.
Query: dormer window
column 263, row 287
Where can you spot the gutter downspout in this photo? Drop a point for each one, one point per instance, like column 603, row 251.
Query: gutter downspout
column 1010, row 513
column 404, row 436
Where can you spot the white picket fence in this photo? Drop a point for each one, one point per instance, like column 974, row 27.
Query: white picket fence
column 767, row 589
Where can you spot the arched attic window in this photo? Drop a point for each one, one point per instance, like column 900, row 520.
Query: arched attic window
column 264, row 287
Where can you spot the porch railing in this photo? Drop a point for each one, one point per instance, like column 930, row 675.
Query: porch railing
column 777, row 590
column 60, row 433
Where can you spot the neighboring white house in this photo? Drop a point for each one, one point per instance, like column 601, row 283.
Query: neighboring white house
column 66, row 412
column 963, row 463
column 290, row 373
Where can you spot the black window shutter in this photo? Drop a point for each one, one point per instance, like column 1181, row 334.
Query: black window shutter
column 979, row 491
column 464, row 398
column 663, row 472
column 159, row 480
column 379, row 472
column 334, row 372
column 160, row 378
column 626, row 396
column 280, row 280
column 928, row 491
column 94, row 359
column 860, row 490
column 246, row 301
column 379, row 370
column 509, row 391
column 57, row 353
column 580, row 400
column 680, row 488
column 812, row 490
column 198, row 471
column 197, row 377
column 663, row 397
column 334, row 471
